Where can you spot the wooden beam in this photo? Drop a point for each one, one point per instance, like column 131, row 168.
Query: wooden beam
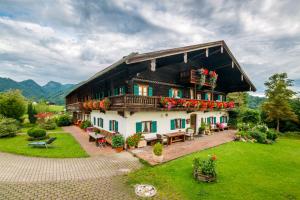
column 232, row 64
column 222, row 50
column 185, row 57
column 153, row 65
column 206, row 52
column 242, row 77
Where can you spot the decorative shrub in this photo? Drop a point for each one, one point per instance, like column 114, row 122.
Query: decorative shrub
column 205, row 167
column 133, row 140
column 249, row 116
column 85, row 124
column 243, row 126
column 158, row 149
column 36, row 133
column 259, row 136
column 63, row 120
column 118, row 141
column 8, row 127
column 48, row 125
column 262, row 128
column 272, row 134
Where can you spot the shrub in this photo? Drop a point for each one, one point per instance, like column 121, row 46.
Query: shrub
column 249, row 116
column 36, row 133
column 158, row 149
column 85, row 124
column 12, row 104
column 259, row 136
column 272, row 134
column 206, row 167
column 48, row 125
column 262, row 128
column 8, row 127
column 133, row 140
column 117, row 141
column 63, row 120
column 31, row 113
column 243, row 126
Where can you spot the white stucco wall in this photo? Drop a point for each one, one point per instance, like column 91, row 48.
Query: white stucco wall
column 127, row 124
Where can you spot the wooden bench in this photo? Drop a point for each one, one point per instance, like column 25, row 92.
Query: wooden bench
column 108, row 136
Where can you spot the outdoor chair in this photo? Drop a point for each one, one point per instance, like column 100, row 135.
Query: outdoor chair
column 42, row 144
column 162, row 139
column 190, row 133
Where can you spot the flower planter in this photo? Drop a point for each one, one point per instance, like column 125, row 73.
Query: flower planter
column 119, row 149
column 142, row 143
column 157, row 159
column 204, row 178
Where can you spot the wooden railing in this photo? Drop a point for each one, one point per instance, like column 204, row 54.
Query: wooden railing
column 191, row 76
column 74, row 107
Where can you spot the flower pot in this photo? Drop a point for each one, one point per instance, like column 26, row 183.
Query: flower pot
column 204, row 178
column 118, row 149
column 158, row 159
column 142, row 143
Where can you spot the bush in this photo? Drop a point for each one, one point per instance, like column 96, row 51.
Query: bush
column 259, row 136
column 63, row 120
column 233, row 116
column 249, row 116
column 133, row 140
column 117, row 141
column 272, row 134
column 36, row 133
column 31, row 113
column 205, row 167
column 48, row 125
column 158, row 149
column 12, row 104
column 8, row 127
column 262, row 128
column 243, row 126
column 85, row 124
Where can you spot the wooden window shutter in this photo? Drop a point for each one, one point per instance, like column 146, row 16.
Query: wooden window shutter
column 136, row 90
column 150, row 91
column 208, row 120
column 170, row 92
column 183, row 123
column 110, row 125
column 221, row 119
column 180, row 93
column 206, row 96
column 138, row 127
column 153, row 126
column 94, row 120
column 215, row 120
column 172, row 124
column 116, row 126
column 101, row 122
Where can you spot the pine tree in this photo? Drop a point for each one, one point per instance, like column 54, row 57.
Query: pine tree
column 277, row 106
column 31, row 113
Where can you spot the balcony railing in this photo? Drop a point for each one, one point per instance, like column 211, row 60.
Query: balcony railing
column 192, row 76
column 138, row 103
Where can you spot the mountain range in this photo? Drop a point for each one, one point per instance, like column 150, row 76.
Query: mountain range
column 53, row 91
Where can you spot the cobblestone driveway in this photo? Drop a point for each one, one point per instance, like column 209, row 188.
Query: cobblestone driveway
column 82, row 178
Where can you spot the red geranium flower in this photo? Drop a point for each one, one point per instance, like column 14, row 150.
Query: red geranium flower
column 214, row 157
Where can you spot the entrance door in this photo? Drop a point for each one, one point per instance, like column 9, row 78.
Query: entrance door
column 193, row 122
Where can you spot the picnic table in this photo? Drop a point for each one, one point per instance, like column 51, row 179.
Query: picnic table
column 95, row 137
column 175, row 137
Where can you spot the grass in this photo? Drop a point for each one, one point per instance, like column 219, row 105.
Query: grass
column 245, row 171
column 26, row 128
column 65, row 146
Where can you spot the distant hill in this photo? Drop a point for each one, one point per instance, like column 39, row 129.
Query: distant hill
column 255, row 102
column 53, row 91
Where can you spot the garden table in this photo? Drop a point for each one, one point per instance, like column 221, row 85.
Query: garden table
column 95, row 137
column 175, row 137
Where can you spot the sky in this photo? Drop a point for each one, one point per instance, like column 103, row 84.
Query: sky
column 68, row 41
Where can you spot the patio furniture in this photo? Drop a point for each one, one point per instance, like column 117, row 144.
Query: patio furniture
column 190, row 133
column 175, row 137
column 214, row 128
column 108, row 136
column 150, row 138
column 42, row 144
column 101, row 142
column 162, row 139
column 95, row 137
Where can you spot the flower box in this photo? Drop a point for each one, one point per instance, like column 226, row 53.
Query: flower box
column 204, row 178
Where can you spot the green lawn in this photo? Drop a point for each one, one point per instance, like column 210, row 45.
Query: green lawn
column 245, row 171
column 65, row 146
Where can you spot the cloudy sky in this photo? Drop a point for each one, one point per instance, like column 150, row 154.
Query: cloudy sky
column 68, row 41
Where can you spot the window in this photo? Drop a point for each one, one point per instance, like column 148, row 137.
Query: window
column 223, row 119
column 175, row 93
column 142, row 90
column 100, row 122
column 177, row 124
column 113, row 125
column 211, row 120
column 146, row 127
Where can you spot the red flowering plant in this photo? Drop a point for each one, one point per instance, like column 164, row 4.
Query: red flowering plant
column 85, row 105
column 95, row 105
column 203, row 73
column 220, row 105
column 205, row 170
column 225, row 104
column 213, row 76
column 90, row 104
column 104, row 104
column 230, row 104
column 43, row 117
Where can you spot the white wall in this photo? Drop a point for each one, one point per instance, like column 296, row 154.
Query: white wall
column 127, row 124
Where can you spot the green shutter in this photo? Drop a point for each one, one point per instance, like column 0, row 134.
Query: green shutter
column 94, row 120
column 116, row 91
column 215, row 120
column 101, row 122
column 136, row 90
column 219, row 97
column 138, row 127
column 170, row 92
column 150, row 91
column 110, row 125
column 208, row 120
column 221, row 119
column 183, row 123
column 116, row 126
column 153, row 127
column 172, row 124
column 180, row 93
column 206, row 96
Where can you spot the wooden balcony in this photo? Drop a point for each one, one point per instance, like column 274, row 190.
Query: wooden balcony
column 192, row 77
column 145, row 103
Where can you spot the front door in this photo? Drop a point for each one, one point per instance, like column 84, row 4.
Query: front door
column 193, row 122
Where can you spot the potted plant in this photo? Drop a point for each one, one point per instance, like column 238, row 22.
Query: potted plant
column 202, row 129
column 157, row 152
column 132, row 141
column 118, row 142
column 205, row 170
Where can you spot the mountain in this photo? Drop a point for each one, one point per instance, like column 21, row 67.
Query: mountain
column 255, row 102
column 53, row 91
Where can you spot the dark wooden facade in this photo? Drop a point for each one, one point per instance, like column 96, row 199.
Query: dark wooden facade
column 166, row 73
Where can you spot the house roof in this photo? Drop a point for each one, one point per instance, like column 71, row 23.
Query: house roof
column 136, row 58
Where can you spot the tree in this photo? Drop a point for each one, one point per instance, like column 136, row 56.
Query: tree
column 277, row 106
column 239, row 97
column 12, row 104
column 31, row 113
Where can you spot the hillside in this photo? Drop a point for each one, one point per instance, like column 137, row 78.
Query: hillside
column 52, row 91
